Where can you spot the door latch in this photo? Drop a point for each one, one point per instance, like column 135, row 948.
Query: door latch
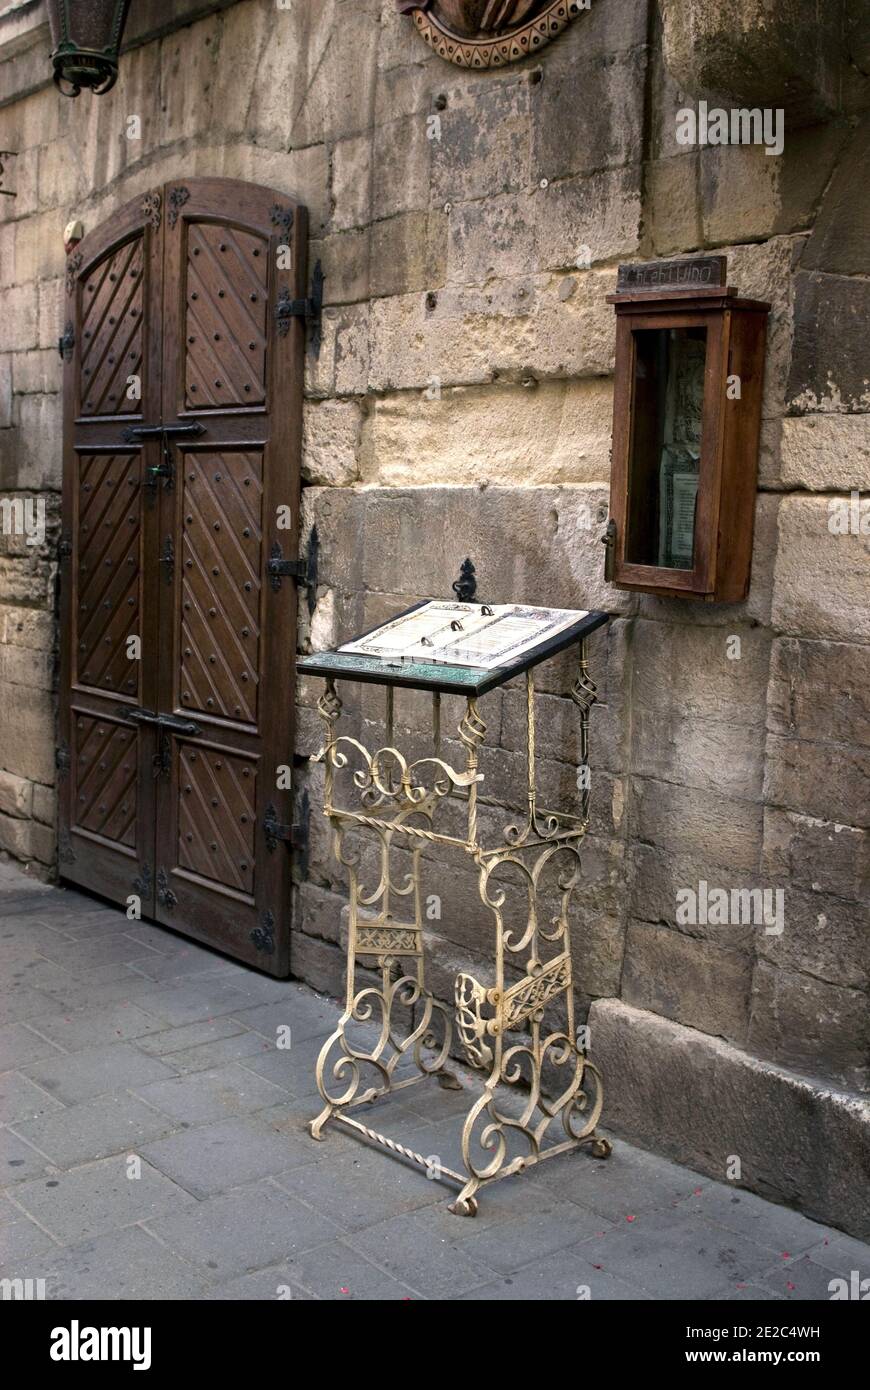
column 166, row 723
column 167, row 558
column 138, row 434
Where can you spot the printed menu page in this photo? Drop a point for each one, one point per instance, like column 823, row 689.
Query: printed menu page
column 464, row 634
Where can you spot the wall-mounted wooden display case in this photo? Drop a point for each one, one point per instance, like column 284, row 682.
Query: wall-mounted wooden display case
column 686, row 423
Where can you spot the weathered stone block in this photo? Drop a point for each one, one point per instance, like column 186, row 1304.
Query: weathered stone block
column 24, row 666
column 558, row 432
column 820, row 582
column 828, row 367
column 787, row 57
column 27, row 733
column 27, row 627
column 806, row 1023
column 16, row 795
column 825, row 452
column 838, row 241
column 351, row 183
column 820, row 691
column 331, row 432
column 44, row 803
column 603, row 130
column 739, row 188
column 480, row 143
column 812, row 853
column 704, row 825
column 672, row 194
column 827, row 780
column 27, row 839
column 19, row 318
column 698, row 1100
column 823, row 936
column 408, row 253
column 690, row 981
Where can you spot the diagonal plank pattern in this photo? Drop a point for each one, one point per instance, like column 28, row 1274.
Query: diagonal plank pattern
column 220, row 629
column 111, row 336
column 108, row 571
column 106, row 760
column 227, row 292
column 217, row 814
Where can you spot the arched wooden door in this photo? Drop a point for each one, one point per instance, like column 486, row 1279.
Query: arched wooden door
column 182, row 432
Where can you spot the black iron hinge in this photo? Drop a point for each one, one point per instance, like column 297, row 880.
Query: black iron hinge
column 304, row 571
column 64, row 548
column 142, row 883
column 66, row 343
column 165, row 895
column 310, row 309
column 608, row 540
column 296, row 836
column 263, row 936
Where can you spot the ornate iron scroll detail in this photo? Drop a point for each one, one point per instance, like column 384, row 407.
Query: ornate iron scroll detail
column 142, row 882
column 282, row 218
column 151, row 208
column 73, row 266
column 177, row 198
column 465, row 587
column 519, row 1033
column 283, row 311
column 165, row 895
column 263, row 936
column 490, row 33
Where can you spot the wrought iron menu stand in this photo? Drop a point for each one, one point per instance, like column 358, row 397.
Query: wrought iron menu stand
column 502, row 1025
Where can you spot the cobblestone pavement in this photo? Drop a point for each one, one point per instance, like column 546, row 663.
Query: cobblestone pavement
column 125, row 1048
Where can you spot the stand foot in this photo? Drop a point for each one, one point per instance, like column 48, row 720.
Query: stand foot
column 447, row 1081
column 600, row 1148
column 464, row 1206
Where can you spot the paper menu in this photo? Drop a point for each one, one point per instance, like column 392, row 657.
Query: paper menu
column 464, row 634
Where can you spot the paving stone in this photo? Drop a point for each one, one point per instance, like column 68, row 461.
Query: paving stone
column 306, row 1018
column 21, row 1241
column 803, row 1280
column 264, row 1285
column 413, row 1254
column 205, row 1096
column 842, row 1253
column 99, row 1197
column 630, row 1181
column 237, row 1232
column 747, row 1293
column 224, row 1154
column 538, row 1229
column 170, row 1040
column 18, row 1160
column 776, row 1227
column 191, row 1002
column 126, row 1265
column 670, row 1255
column 82, row 957
column 360, row 1186
column 95, row 1070
column 338, row 1272
column 563, row 1275
column 100, row 988
column 21, row 1099
column 83, row 1028
column 237, row 1047
column 39, row 973
column 111, row 1124
column 22, row 1002
column 19, row 1044
column 272, row 1064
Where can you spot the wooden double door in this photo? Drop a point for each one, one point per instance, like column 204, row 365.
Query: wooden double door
column 182, row 436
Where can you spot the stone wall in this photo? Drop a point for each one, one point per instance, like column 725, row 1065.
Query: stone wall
column 461, row 405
